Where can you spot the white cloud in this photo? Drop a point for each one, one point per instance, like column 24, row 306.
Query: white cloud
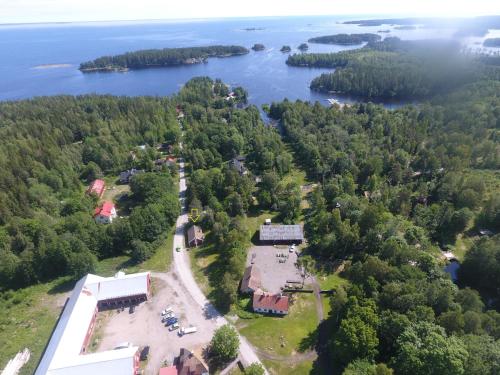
column 13, row 11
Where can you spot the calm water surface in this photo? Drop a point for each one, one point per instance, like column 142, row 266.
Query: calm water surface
column 40, row 60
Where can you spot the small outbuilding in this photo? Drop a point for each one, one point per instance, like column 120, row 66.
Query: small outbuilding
column 251, row 280
column 96, row 188
column 125, row 176
column 189, row 364
column 238, row 163
column 270, row 303
column 195, row 236
column 284, row 234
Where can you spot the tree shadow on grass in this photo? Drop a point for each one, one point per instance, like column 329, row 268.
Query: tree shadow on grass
column 62, row 286
column 309, row 342
column 318, row 340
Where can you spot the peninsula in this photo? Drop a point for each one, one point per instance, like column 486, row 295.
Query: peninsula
column 492, row 42
column 159, row 58
column 346, row 39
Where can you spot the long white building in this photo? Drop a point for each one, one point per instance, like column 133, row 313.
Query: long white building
column 66, row 350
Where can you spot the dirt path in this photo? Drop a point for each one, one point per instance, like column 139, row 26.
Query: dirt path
column 319, row 303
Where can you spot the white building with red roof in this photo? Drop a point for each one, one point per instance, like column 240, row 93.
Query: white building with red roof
column 65, row 353
column 264, row 302
column 97, row 188
column 105, row 213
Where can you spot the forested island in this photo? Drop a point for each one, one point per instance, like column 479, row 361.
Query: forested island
column 286, row 49
column 492, row 42
column 303, row 47
column 160, row 58
column 398, row 69
column 258, row 47
column 346, row 39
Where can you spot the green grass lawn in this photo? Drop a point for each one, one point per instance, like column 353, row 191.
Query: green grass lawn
column 265, row 332
column 331, row 281
column 204, row 264
column 27, row 319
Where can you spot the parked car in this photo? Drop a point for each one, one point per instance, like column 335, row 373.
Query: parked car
column 173, row 327
column 171, row 321
column 144, row 353
column 166, row 311
column 185, row 330
column 167, row 317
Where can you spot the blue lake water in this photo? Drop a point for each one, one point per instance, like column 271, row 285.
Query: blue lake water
column 26, row 50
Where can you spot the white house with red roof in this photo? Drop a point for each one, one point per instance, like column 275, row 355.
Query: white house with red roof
column 105, row 213
column 97, row 188
column 264, row 302
column 66, row 352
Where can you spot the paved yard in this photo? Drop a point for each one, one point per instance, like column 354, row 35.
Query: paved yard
column 274, row 274
column 144, row 326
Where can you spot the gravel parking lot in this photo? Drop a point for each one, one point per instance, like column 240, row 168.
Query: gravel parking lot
column 274, row 274
column 144, row 326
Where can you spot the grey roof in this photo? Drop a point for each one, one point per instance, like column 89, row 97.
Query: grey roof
column 251, row 279
column 281, row 233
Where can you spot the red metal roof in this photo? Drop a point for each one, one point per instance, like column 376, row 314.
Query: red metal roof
column 105, row 210
column 262, row 300
column 96, row 187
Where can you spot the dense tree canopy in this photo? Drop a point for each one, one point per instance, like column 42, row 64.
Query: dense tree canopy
column 394, row 188
column 397, row 69
column 345, row 39
column 51, row 148
column 160, row 58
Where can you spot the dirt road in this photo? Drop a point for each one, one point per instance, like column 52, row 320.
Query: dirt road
column 183, row 269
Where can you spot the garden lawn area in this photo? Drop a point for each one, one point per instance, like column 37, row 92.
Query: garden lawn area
column 204, row 266
column 28, row 318
column 265, row 332
column 332, row 281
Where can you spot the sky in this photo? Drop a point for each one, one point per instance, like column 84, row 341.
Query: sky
column 27, row 11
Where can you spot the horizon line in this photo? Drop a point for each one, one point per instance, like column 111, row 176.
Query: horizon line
column 367, row 16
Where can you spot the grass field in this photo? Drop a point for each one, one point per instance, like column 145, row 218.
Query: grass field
column 269, row 332
column 285, row 368
column 331, row 281
column 27, row 319
column 204, row 264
